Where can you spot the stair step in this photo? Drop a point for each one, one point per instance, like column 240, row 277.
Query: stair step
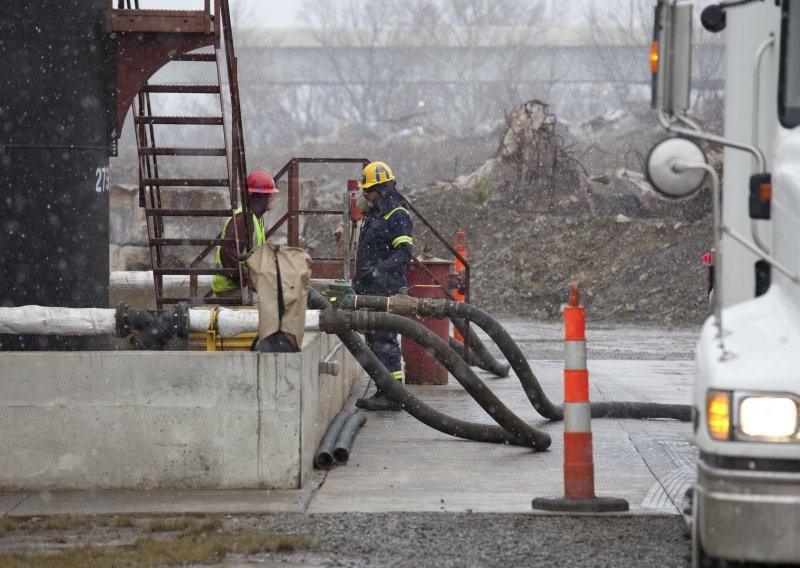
column 191, row 242
column 188, row 212
column 195, row 57
column 213, row 120
column 165, row 151
column 186, row 182
column 180, row 88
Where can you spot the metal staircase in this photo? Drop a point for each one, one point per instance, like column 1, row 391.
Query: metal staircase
column 184, row 226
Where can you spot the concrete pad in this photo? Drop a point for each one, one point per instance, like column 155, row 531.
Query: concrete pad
column 399, row 464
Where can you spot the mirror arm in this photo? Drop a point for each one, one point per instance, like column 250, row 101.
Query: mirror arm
column 670, row 126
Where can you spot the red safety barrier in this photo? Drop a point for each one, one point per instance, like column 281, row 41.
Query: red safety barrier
column 578, row 461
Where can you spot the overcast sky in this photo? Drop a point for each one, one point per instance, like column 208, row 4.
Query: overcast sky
column 284, row 13
column 267, row 13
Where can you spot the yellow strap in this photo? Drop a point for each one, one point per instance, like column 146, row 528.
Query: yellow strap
column 399, row 208
column 402, row 239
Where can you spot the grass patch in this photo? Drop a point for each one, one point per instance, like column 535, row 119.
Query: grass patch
column 171, row 525
column 210, row 524
column 6, row 526
column 124, row 521
column 483, row 190
column 151, row 551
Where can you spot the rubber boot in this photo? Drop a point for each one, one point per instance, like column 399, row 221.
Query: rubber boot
column 378, row 401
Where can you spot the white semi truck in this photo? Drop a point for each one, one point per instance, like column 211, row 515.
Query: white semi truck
column 746, row 502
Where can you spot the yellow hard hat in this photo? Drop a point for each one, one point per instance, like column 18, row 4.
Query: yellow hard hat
column 375, row 173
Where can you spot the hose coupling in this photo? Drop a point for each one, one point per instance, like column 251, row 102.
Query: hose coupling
column 402, row 304
column 333, row 320
column 180, row 319
column 122, row 329
column 432, row 307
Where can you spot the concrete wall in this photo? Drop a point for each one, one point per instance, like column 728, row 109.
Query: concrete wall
column 133, row 420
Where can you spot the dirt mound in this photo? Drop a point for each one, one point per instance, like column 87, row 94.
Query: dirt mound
column 536, row 221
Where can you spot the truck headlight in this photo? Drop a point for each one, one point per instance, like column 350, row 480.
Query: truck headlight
column 773, row 417
column 753, row 416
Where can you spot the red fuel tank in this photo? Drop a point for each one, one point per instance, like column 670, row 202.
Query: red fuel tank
column 421, row 367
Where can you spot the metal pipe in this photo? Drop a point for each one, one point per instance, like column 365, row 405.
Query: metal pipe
column 346, row 237
column 699, row 134
column 323, row 459
column 341, row 450
column 41, row 320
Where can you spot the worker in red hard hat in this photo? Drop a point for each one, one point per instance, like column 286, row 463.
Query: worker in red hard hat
column 261, row 189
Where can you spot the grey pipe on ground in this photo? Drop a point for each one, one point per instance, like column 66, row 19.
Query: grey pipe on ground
column 411, row 404
column 323, row 459
column 341, row 449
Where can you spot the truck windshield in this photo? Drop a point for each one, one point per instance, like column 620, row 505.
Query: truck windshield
column 789, row 82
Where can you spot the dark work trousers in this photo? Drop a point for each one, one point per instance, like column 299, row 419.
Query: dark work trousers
column 387, row 348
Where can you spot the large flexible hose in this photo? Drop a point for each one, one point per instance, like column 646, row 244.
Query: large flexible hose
column 533, row 389
column 530, row 384
column 363, row 320
column 411, row 404
column 479, row 355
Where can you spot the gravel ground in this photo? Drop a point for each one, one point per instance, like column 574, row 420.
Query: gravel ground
column 416, row 539
column 433, row 539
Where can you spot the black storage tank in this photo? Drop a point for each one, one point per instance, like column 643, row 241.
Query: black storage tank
column 57, row 119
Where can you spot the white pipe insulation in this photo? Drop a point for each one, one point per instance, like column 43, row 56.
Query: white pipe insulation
column 40, row 320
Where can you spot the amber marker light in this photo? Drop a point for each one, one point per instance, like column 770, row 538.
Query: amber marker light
column 718, row 414
column 765, row 191
column 654, row 57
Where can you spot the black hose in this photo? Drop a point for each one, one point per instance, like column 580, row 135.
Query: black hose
column 363, row 320
column 479, row 355
column 533, row 389
column 341, row 449
column 411, row 404
column 323, row 459
column 485, row 360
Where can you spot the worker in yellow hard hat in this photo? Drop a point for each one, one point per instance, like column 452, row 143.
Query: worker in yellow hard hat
column 384, row 249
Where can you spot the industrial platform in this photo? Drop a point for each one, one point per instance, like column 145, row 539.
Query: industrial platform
column 399, row 464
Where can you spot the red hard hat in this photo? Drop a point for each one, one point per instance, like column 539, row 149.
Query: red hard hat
column 259, row 181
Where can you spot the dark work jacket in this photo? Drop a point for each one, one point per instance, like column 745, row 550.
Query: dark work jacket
column 384, row 247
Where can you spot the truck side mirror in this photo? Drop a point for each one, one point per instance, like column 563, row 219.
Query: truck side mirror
column 669, row 181
column 671, row 56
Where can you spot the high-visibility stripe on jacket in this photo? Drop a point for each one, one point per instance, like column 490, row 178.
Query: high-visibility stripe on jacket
column 220, row 282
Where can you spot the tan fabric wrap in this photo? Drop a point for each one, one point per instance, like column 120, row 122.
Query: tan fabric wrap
column 295, row 267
